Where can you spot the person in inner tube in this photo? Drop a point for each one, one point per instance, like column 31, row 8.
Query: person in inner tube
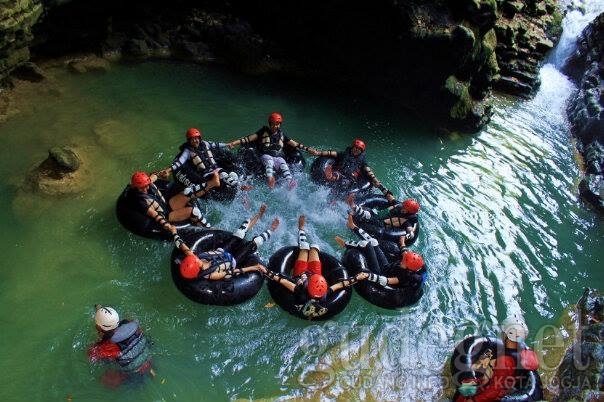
column 222, row 262
column 507, row 367
column 269, row 142
column 122, row 342
column 349, row 166
column 199, row 153
column 150, row 201
column 308, row 281
column 399, row 214
column 407, row 273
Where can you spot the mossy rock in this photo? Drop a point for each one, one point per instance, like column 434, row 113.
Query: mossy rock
column 463, row 103
column 65, row 158
column 88, row 64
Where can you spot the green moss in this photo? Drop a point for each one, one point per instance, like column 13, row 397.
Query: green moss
column 493, row 66
column 462, row 105
column 16, row 7
column 14, row 58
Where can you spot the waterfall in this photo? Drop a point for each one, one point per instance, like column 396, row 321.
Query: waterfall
column 578, row 16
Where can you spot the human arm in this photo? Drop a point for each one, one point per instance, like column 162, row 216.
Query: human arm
column 299, row 145
column 383, row 280
column 327, row 154
column 180, row 244
column 361, row 276
column 214, row 145
column 183, row 157
column 252, row 268
column 375, row 182
column 161, row 220
column 243, row 140
column 103, row 350
column 280, row 279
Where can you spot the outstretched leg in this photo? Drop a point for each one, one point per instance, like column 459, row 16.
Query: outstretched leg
column 260, row 239
column 357, row 210
column 301, row 264
column 357, row 230
column 249, row 223
column 269, row 169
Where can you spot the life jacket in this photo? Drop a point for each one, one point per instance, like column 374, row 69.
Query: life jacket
column 397, row 212
column 142, row 201
column 216, row 260
column 133, row 346
column 202, row 157
column 309, row 307
column 270, row 144
column 349, row 165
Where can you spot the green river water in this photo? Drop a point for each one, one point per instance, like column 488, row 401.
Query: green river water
column 502, row 233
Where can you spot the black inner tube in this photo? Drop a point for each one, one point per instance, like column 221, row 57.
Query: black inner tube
column 224, row 292
column 283, row 262
column 472, row 349
column 375, row 227
column 389, row 297
column 317, row 174
column 138, row 222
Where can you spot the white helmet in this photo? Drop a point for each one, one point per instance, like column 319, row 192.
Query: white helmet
column 514, row 328
column 106, row 318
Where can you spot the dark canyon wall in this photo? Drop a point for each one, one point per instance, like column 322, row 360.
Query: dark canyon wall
column 586, row 109
column 439, row 59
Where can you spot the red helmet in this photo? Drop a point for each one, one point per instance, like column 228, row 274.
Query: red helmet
column 317, row 286
column 193, row 132
column 275, row 118
column 411, row 206
column 140, row 180
column 189, row 267
column 359, row 144
column 412, row 261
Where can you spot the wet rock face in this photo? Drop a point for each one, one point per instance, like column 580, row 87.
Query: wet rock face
column 16, row 21
column 438, row 58
column 586, row 109
column 581, row 372
column 526, row 31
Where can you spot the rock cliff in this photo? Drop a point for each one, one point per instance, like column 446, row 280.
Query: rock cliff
column 586, row 109
column 438, row 59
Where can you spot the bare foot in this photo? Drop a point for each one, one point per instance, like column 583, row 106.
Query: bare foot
column 340, row 242
column 292, row 184
column 214, row 181
column 350, row 222
column 275, row 224
column 301, row 222
column 256, row 217
column 271, row 181
column 350, row 200
column 246, row 187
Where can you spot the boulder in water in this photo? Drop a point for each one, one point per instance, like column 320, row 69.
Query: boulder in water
column 88, row 64
column 59, row 174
